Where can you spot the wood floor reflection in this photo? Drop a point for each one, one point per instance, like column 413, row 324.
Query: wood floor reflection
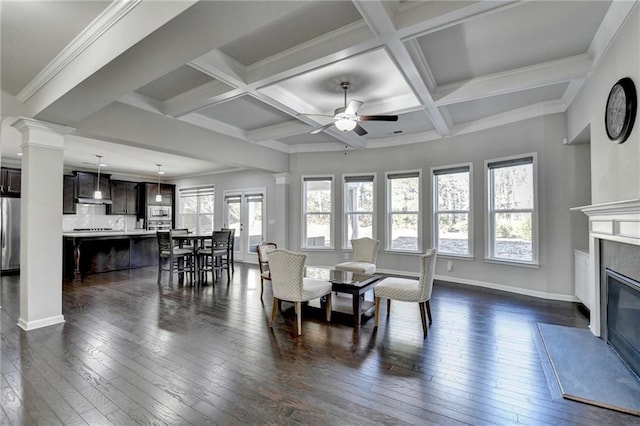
column 132, row 352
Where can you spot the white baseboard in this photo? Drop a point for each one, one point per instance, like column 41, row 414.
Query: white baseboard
column 45, row 322
column 493, row 286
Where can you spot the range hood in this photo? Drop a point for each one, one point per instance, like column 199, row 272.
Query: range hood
column 93, row 201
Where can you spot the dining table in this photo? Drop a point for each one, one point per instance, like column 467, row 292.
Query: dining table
column 196, row 241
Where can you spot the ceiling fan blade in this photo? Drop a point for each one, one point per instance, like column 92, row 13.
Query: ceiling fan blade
column 359, row 130
column 319, row 129
column 316, row 115
column 378, row 118
column 353, row 107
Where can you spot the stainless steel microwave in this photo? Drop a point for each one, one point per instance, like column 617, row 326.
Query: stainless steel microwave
column 158, row 212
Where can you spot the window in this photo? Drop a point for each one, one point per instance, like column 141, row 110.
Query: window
column 512, row 210
column 358, row 206
column 403, row 211
column 317, row 210
column 452, row 230
column 196, row 209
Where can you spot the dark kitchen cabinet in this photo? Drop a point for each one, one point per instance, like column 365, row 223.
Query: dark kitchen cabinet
column 88, row 182
column 124, row 196
column 10, row 181
column 166, row 190
column 69, row 194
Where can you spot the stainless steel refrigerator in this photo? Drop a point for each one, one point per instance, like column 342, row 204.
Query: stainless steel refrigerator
column 10, row 214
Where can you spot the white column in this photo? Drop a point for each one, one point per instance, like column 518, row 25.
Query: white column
column 281, row 234
column 41, row 223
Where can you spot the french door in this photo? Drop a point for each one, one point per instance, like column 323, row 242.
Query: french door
column 245, row 212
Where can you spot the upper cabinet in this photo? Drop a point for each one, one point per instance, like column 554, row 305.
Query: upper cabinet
column 69, row 194
column 124, row 196
column 88, row 183
column 166, row 190
column 10, row 181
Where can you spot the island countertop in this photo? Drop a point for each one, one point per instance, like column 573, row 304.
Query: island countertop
column 100, row 234
column 91, row 252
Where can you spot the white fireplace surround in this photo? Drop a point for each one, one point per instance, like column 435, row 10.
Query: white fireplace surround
column 616, row 221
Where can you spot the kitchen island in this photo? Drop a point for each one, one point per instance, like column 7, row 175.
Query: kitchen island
column 92, row 252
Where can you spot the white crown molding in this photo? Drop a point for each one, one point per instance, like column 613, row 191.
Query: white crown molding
column 222, row 67
column 544, row 74
column 531, row 111
column 143, row 102
column 204, row 96
column 214, row 125
column 420, row 61
column 613, row 20
column 277, row 131
column 109, row 17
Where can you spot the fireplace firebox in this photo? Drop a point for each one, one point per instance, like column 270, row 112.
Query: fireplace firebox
column 623, row 317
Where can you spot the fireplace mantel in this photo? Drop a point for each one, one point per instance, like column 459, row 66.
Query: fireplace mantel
column 616, row 221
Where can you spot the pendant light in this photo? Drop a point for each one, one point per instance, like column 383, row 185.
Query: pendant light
column 97, row 193
column 158, row 194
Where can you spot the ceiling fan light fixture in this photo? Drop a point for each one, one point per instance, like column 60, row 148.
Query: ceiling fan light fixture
column 345, row 124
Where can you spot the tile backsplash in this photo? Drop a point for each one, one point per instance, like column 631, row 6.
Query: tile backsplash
column 95, row 216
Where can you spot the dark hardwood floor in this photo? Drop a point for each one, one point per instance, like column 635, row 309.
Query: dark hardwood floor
column 133, row 352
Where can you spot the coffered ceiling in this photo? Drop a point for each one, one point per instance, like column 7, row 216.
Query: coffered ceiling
column 211, row 86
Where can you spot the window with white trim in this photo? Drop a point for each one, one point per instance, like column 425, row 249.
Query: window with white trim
column 452, row 222
column 195, row 207
column 403, row 212
column 512, row 209
column 359, row 208
column 317, row 211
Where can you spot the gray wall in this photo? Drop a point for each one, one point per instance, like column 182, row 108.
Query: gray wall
column 615, row 173
column 237, row 181
column 563, row 183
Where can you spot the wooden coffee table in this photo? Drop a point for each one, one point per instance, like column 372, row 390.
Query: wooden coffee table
column 350, row 283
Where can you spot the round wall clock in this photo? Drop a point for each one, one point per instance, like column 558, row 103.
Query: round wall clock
column 621, row 110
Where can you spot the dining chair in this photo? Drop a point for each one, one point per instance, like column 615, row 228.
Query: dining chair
column 409, row 290
column 290, row 285
column 175, row 258
column 215, row 258
column 265, row 274
column 365, row 252
column 232, row 244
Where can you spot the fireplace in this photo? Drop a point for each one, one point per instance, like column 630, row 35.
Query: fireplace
column 622, row 317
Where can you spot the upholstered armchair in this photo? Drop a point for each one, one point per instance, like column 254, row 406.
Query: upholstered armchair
column 365, row 252
column 410, row 290
column 289, row 283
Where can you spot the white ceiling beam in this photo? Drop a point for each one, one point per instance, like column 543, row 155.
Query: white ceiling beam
column 545, row 74
column 378, row 19
column 100, row 43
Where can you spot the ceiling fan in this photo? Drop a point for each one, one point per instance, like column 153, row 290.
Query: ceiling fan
column 346, row 118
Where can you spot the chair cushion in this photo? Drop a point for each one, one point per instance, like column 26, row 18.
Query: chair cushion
column 357, row 267
column 177, row 252
column 403, row 289
column 312, row 288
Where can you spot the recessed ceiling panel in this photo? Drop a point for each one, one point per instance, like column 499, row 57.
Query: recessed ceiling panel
column 246, row 113
column 409, row 123
column 520, row 36
column 486, row 107
column 310, row 22
column 374, row 79
column 42, row 29
column 176, row 82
